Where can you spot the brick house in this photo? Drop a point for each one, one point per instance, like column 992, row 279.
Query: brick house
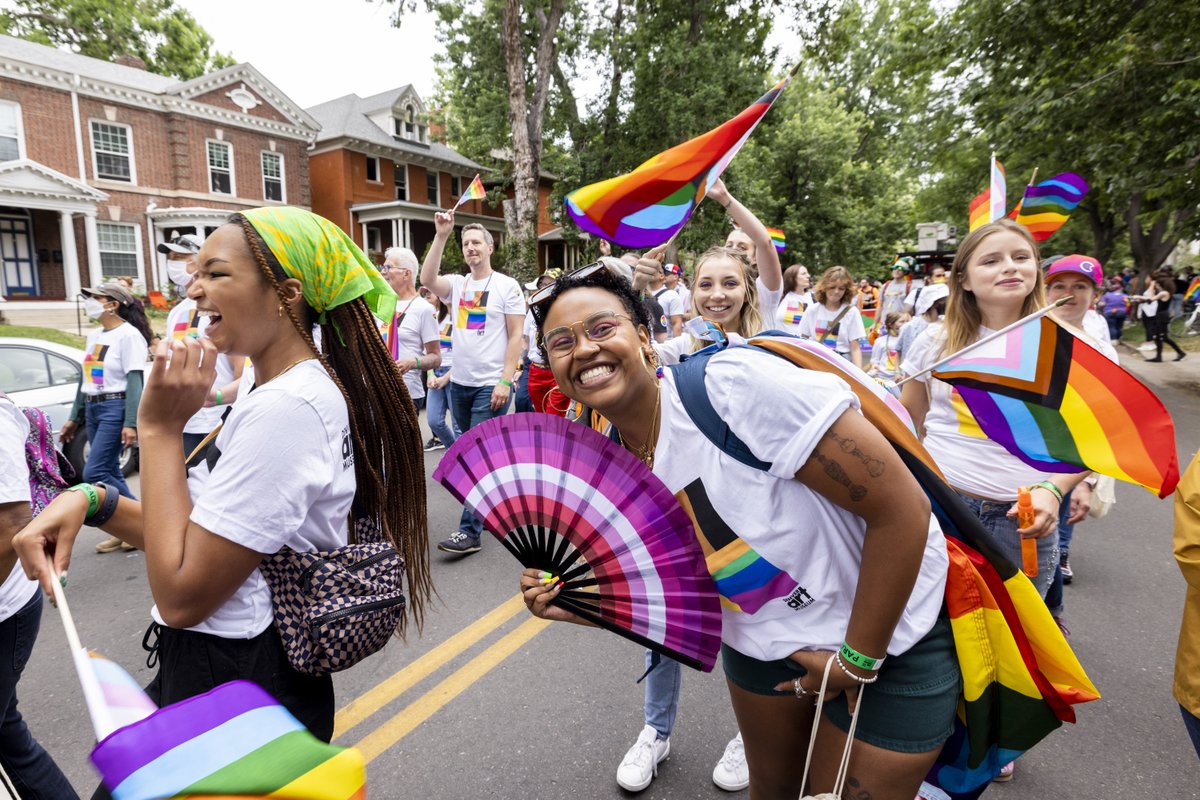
column 100, row 162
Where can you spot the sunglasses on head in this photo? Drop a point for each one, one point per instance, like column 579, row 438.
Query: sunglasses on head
column 543, row 294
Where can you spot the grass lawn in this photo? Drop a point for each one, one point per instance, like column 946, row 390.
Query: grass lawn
column 46, row 334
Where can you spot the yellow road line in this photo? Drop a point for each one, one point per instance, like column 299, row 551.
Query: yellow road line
column 399, row 726
column 376, row 698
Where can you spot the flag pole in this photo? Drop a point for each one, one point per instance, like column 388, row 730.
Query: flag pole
column 989, row 338
column 93, row 695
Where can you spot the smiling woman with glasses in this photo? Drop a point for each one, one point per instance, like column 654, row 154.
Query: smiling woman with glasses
column 833, row 550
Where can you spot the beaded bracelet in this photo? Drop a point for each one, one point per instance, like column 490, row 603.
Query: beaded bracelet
column 88, row 491
column 838, row 657
column 856, row 658
column 1049, row 487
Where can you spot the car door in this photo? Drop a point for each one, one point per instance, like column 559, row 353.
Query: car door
column 35, row 377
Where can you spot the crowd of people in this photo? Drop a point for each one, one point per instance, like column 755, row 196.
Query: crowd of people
column 336, row 357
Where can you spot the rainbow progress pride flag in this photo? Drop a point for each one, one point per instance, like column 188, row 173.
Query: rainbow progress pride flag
column 778, row 239
column 1047, row 205
column 234, row 741
column 1059, row 405
column 474, row 192
column 988, row 205
column 646, row 207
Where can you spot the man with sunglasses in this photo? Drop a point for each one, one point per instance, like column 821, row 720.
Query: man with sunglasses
column 488, row 312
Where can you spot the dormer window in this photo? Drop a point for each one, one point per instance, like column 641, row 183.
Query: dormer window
column 410, row 122
column 408, row 125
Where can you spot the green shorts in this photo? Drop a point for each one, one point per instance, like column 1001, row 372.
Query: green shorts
column 910, row 709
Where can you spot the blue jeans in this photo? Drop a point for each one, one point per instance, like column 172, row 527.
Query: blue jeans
column 436, row 404
column 1192, row 723
column 1055, row 597
column 522, row 393
column 469, row 406
column 1003, row 532
column 1116, row 324
column 662, row 694
column 32, row 770
column 105, row 420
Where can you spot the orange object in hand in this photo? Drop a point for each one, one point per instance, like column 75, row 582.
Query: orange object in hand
column 1025, row 518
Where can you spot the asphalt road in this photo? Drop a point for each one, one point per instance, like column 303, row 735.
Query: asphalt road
column 488, row 702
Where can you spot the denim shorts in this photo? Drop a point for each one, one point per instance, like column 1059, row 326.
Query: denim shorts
column 1003, row 532
column 910, row 709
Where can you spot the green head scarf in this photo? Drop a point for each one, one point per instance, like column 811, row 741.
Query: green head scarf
column 323, row 258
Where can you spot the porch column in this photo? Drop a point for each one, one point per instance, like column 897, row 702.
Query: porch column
column 365, row 241
column 92, row 243
column 66, row 224
column 396, row 240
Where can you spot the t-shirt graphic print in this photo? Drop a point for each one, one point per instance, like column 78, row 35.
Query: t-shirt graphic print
column 187, row 328
column 472, row 311
column 93, row 365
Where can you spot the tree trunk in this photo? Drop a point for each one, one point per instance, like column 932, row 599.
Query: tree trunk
column 1151, row 247
column 1104, row 232
column 525, row 116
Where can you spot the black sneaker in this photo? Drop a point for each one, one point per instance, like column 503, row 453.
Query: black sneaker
column 1065, row 566
column 434, row 444
column 460, row 544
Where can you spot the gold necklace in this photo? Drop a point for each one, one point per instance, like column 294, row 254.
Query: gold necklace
column 646, row 454
column 288, row 367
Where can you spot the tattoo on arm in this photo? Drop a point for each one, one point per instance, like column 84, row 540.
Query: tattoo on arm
column 850, row 447
column 835, row 471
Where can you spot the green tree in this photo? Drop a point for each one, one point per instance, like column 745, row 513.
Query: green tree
column 168, row 39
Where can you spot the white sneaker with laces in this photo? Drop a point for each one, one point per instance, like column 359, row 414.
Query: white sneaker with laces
column 640, row 764
column 731, row 773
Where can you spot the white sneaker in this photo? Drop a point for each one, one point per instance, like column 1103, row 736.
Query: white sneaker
column 640, row 764
column 731, row 772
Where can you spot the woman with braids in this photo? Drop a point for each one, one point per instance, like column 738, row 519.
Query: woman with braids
column 847, row 560
column 304, row 450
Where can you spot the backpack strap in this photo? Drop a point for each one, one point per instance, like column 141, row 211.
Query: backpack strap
column 689, row 381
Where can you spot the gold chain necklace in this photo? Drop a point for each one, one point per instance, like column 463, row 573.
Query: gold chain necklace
column 646, row 454
column 287, row 368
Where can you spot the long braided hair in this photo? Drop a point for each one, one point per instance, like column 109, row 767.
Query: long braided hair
column 383, row 423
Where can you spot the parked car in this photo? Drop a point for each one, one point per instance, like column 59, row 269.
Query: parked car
column 46, row 375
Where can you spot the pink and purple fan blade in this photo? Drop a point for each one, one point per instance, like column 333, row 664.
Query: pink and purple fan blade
column 564, row 499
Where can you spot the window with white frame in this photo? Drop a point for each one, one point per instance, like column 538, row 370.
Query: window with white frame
column 11, row 146
column 272, row 171
column 400, row 171
column 112, row 151
column 431, row 188
column 220, row 167
column 118, row 244
column 372, row 169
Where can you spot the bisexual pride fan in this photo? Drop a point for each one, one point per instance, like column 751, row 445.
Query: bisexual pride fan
column 566, row 500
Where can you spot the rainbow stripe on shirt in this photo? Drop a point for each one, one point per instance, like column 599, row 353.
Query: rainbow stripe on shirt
column 793, row 312
column 745, row 580
column 188, row 328
column 93, row 365
column 472, row 311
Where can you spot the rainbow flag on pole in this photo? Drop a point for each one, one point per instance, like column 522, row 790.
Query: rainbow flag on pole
column 234, row 741
column 645, row 207
column 988, row 205
column 778, row 239
column 1020, row 677
column 1047, row 205
column 474, row 192
column 1058, row 404
column 1193, row 291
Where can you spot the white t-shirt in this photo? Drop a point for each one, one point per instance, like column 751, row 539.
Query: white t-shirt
column 817, row 323
column 530, row 333
column 480, row 331
column 672, row 350
column 885, row 357
column 797, row 554
column 790, row 311
column 768, row 300
column 184, row 322
column 285, row 476
column 446, row 339
column 1096, row 326
column 969, row 460
column 892, row 297
column 111, row 355
column 910, row 300
column 672, row 305
column 14, row 488
column 416, row 327
column 685, row 297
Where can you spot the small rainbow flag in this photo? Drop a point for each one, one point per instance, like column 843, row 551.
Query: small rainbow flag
column 113, row 697
column 1060, row 405
column 1193, row 291
column 232, row 741
column 472, row 311
column 474, row 192
column 988, row 205
column 645, row 207
column 778, row 239
column 1047, row 205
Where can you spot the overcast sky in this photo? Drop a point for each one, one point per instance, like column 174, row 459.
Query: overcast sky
column 316, row 50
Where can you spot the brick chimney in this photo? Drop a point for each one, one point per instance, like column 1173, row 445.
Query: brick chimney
column 130, row 60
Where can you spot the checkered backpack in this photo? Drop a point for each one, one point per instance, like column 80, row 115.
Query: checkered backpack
column 336, row 607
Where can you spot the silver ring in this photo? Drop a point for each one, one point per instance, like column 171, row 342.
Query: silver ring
column 800, row 691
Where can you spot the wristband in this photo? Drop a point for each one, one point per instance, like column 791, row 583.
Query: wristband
column 107, row 508
column 89, row 491
column 1049, row 487
column 852, row 656
column 505, row 383
column 220, row 398
column 858, row 678
column 418, row 362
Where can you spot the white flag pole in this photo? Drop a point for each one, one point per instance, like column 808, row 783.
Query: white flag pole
column 93, row 695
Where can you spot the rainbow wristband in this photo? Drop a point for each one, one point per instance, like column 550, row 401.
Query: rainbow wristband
column 92, row 495
column 852, row 656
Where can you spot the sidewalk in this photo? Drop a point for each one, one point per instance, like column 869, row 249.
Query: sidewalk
column 1183, row 375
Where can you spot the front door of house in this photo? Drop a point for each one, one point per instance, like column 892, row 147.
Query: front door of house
column 19, row 270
